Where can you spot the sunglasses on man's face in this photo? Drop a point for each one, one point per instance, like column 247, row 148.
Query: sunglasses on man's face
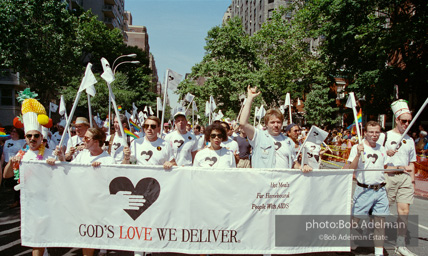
column 146, row 126
column 405, row 121
column 29, row 136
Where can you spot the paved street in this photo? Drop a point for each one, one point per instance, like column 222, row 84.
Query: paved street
column 10, row 231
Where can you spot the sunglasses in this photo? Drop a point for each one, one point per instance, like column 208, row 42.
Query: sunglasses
column 405, row 121
column 213, row 135
column 29, row 136
column 146, row 126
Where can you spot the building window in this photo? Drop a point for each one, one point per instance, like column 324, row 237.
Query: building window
column 271, row 1
column 6, row 97
column 270, row 13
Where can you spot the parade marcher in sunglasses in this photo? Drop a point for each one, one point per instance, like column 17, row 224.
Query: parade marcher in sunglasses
column 34, row 150
column 215, row 155
column 183, row 143
column 400, row 185
column 150, row 150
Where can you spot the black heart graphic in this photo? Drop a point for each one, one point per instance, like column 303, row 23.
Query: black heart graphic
column 148, row 187
column 180, row 142
column 313, row 147
column 399, row 145
column 277, row 145
column 9, row 145
column 149, row 153
column 316, row 134
column 116, row 145
column 212, row 159
column 375, row 156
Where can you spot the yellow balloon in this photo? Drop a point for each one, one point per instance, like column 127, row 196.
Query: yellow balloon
column 43, row 119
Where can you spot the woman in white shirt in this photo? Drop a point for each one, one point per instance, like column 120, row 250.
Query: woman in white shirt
column 215, row 155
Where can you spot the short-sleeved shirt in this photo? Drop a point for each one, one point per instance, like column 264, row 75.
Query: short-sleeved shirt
column 375, row 158
column 75, row 141
column 85, row 157
column 11, row 147
column 222, row 158
column 272, row 151
column 230, row 145
column 406, row 151
column 182, row 146
column 56, row 138
column 32, row 155
column 151, row 153
column 117, row 147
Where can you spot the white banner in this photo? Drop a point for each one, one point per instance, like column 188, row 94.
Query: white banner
column 187, row 210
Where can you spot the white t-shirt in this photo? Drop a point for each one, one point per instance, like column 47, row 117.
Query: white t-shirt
column 222, row 158
column 74, row 141
column 406, row 151
column 182, row 147
column 85, row 157
column 312, row 154
column 56, row 138
column 201, row 141
column 231, row 145
column 117, row 147
column 11, row 147
column 151, row 153
column 285, row 152
column 375, row 158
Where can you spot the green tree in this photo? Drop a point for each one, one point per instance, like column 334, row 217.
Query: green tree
column 375, row 44
column 320, row 106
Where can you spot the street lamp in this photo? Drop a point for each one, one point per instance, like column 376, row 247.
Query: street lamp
column 128, row 61
column 132, row 55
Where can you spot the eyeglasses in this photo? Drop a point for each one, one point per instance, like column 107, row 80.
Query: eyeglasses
column 86, row 138
column 213, row 135
column 29, row 136
column 153, row 126
column 405, row 121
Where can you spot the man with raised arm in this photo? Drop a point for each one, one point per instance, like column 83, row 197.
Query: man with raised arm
column 271, row 149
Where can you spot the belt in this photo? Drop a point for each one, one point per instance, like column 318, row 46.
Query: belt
column 397, row 172
column 374, row 187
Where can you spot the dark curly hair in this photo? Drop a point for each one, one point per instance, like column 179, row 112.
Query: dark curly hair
column 213, row 127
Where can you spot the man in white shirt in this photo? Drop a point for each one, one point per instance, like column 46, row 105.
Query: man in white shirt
column 56, row 137
column 183, row 143
column 75, row 143
column 370, row 193
column 401, row 185
column 271, row 149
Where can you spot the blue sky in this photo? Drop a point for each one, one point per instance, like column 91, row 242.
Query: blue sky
column 177, row 30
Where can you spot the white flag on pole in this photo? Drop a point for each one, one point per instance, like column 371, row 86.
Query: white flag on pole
column 220, row 115
column 88, row 81
column 316, row 135
column 53, row 107
column 174, row 79
column 159, row 106
column 350, row 103
column 282, row 109
column 134, row 109
column 127, row 114
column 108, row 73
column 287, row 102
column 141, row 117
column 195, row 108
column 151, row 111
column 261, row 113
column 189, row 97
column 212, row 104
column 62, row 108
column 298, row 102
column 256, row 112
column 207, row 108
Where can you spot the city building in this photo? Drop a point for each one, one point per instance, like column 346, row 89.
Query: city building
column 10, row 84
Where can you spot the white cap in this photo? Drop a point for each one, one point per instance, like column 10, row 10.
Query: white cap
column 400, row 107
column 30, row 122
column 179, row 114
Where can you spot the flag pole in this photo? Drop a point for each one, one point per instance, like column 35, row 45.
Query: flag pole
column 289, row 110
column 90, row 110
column 164, row 100
column 76, row 100
column 116, row 111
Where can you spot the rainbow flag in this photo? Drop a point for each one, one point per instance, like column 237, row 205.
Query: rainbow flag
column 359, row 119
column 119, row 108
column 133, row 135
column 136, row 127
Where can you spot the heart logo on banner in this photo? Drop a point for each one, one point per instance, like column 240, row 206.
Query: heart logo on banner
column 148, row 187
